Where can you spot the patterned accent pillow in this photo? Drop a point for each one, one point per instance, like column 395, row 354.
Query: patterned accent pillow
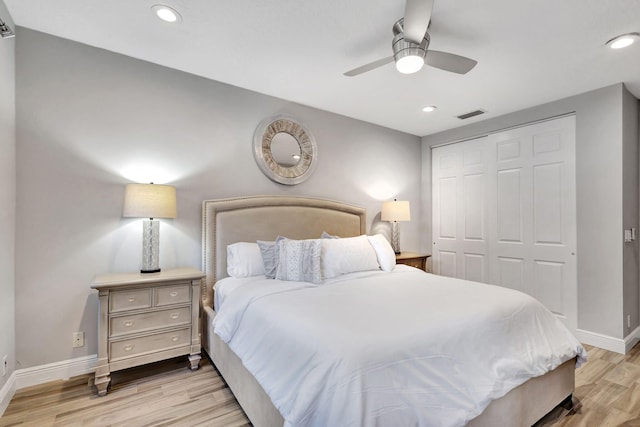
column 269, row 252
column 299, row 260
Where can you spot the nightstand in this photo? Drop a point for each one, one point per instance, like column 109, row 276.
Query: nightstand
column 145, row 318
column 413, row 259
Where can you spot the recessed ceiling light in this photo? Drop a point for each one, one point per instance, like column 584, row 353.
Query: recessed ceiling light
column 623, row 40
column 166, row 13
column 429, row 108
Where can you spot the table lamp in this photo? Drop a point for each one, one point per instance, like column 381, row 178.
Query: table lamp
column 150, row 201
column 394, row 212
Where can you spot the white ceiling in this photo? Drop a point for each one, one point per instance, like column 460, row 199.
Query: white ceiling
column 528, row 52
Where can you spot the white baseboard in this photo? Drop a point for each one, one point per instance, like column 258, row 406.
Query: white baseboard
column 617, row 345
column 7, row 392
column 632, row 339
column 55, row 371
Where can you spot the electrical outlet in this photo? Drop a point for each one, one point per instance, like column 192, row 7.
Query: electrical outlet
column 78, row 339
column 628, row 321
column 4, row 365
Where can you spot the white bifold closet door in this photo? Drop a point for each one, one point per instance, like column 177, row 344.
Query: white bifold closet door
column 504, row 212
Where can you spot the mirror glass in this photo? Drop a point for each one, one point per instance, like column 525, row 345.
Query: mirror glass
column 285, row 149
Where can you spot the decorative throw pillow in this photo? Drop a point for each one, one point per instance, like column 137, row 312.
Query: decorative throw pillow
column 244, row 260
column 347, row 255
column 299, row 260
column 269, row 252
column 384, row 252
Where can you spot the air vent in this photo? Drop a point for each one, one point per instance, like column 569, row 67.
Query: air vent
column 471, row 114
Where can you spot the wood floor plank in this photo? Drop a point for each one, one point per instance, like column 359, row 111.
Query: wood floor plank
column 629, row 400
column 624, row 374
column 168, row 394
column 598, row 368
column 609, row 356
column 604, row 393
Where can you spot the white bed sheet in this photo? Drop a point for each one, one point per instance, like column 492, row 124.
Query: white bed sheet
column 380, row 349
column 227, row 285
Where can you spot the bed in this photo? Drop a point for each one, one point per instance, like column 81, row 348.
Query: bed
column 263, row 218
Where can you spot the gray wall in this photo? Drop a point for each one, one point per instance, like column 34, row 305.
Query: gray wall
column 630, row 209
column 600, row 209
column 89, row 121
column 7, row 197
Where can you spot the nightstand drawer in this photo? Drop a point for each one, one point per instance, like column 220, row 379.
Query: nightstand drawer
column 152, row 343
column 417, row 263
column 129, row 300
column 121, row 325
column 413, row 259
column 168, row 295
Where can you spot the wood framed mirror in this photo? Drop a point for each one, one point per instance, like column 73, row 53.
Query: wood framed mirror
column 284, row 150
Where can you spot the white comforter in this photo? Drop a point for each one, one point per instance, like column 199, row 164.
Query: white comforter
column 389, row 349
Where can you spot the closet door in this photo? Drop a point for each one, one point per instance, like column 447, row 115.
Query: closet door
column 504, row 212
column 460, row 210
column 533, row 204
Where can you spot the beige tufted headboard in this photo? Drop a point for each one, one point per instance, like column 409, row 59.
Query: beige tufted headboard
column 247, row 219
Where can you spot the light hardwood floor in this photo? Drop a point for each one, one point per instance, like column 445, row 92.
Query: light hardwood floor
column 168, row 394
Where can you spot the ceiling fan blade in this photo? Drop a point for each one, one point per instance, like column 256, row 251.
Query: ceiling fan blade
column 417, row 14
column 449, row 62
column 368, row 67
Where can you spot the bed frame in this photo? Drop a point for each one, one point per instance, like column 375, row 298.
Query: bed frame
column 248, row 219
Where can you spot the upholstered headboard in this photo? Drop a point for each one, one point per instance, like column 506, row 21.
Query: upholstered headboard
column 247, row 219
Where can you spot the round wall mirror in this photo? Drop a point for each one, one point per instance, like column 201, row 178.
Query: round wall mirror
column 284, row 150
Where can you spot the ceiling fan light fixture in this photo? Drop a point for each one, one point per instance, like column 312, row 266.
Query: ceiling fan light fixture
column 410, row 49
column 409, row 56
column 409, row 64
column 623, row 40
column 166, row 13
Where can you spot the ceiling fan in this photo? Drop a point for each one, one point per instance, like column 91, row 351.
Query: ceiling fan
column 410, row 42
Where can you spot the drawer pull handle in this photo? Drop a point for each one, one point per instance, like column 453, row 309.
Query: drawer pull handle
column 128, row 323
column 128, row 347
column 175, row 315
column 174, row 338
column 132, row 299
column 173, row 294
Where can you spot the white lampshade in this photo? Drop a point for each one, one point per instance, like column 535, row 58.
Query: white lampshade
column 395, row 211
column 149, row 201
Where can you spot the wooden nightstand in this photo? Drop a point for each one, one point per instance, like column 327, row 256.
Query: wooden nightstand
column 413, row 259
column 145, row 318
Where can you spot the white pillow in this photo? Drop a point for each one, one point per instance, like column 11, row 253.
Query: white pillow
column 244, row 260
column 347, row 255
column 299, row 260
column 385, row 253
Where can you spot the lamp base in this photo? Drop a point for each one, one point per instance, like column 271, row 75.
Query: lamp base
column 395, row 237
column 150, row 246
